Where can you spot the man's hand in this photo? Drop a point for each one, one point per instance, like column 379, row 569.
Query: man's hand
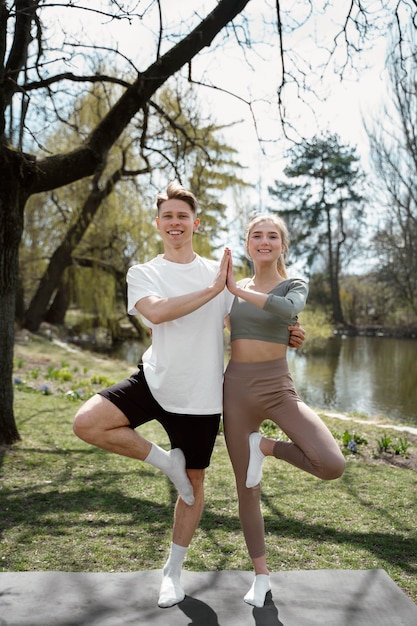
column 297, row 335
column 219, row 282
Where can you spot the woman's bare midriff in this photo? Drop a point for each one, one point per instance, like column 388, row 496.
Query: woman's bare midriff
column 256, row 351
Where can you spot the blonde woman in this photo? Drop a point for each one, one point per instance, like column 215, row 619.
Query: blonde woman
column 258, row 386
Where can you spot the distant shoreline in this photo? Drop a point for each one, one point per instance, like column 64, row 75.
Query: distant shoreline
column 345, row 417
column 376, row 331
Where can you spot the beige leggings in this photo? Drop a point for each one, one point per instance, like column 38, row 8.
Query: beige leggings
column 254, row 392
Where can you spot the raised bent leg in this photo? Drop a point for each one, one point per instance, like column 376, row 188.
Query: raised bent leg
column 312, row 447
column 100, row 423
column 103, row 424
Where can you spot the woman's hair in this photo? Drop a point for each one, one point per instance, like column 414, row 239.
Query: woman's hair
column 175, row 191
column 285, row 238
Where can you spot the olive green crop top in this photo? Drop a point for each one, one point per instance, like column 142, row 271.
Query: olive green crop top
column 270, row 323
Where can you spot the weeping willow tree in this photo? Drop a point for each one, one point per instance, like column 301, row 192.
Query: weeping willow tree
column 104, row 224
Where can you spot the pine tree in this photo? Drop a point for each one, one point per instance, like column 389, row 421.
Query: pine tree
column 323, row 208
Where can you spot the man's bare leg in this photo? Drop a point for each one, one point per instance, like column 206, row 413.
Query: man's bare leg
column 186, row 521
column 102, row 424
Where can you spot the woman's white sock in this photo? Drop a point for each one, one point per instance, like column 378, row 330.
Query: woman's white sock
column 171, row 592
column 172, row 463
column 256, row 458
column 257, row 593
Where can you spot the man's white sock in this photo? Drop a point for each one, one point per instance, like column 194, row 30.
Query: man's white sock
column 256, row 457
column 171, row 592
column 172, row 463
column 257, row 593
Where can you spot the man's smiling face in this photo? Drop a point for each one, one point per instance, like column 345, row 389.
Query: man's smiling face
column 176, row 222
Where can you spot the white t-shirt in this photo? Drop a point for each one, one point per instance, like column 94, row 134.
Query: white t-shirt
column 184, row 365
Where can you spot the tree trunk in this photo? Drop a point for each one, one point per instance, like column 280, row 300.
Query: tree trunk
column 12, row 202
column 120, row 277
column 337, row 304
column 337, row 312
column 21, row 175
column 62, row 258
column 59, row 307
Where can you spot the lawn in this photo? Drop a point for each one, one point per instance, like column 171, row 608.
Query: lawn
column 67, row 506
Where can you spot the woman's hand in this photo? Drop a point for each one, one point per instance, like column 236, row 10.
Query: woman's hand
column 230, row 280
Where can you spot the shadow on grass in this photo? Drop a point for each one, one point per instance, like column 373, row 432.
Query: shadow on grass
column 71, row 500
column 3, row 450
column 389, row 546
column 101, row 505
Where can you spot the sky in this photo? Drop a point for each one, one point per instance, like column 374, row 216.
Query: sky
column 359, row 94
column 254, row 78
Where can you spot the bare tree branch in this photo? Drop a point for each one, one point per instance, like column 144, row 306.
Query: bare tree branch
column 83, row 160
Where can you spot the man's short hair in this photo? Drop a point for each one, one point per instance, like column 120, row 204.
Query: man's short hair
column 175, row 191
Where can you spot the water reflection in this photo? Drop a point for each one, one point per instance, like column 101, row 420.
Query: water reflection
column 371, row 375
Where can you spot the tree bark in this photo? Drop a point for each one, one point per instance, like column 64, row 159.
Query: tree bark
column 12, row 202
column 62, row 256
column 18, row 181
column 59, row 307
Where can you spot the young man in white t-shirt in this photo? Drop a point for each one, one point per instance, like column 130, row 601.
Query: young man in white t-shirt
column 183, row 299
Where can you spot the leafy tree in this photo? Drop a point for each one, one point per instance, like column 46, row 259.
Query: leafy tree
column 366, row 301
column 115, row 225
column 38, row 87
column 322, row 208
column 24, row 69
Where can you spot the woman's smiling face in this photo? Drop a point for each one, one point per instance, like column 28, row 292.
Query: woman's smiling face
column 264, row 242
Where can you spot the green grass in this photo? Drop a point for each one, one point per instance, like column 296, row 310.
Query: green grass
column 67, row 506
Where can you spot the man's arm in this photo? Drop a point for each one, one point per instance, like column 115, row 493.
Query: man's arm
column 158, row 310
column 297, row 335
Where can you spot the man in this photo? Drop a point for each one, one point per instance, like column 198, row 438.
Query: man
column 183, row 299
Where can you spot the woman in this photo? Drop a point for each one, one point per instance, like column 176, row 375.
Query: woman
column 258, row 386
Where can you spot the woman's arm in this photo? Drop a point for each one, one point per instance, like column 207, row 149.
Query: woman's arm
column 291, row 304
column 287, row 306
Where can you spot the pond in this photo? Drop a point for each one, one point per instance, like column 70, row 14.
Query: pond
column 373, row 376
column 370, row 375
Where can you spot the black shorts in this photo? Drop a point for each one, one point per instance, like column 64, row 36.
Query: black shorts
column 194, row 434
